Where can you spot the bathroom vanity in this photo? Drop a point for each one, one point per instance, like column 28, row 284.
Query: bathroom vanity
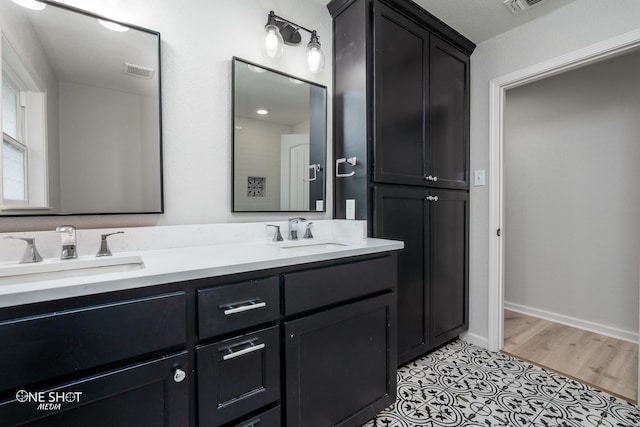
column 290, row 335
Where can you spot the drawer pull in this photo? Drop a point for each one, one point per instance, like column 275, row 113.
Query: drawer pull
column 253, row 423
column 250, row 306
column 243, row 351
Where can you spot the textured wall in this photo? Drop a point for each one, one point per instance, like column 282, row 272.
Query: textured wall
column 199, row 38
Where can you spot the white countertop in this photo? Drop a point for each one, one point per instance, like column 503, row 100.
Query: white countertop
column 187, row 263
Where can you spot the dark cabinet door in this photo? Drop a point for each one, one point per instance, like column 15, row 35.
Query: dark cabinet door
column 153, row 393
column 401, row 62
column 341, row 364
column 449, row 265
column 400, row 214
column 432, row 267
column 448, row 157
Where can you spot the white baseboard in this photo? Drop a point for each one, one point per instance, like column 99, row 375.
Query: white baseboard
column 598, row 328
column 474, row 339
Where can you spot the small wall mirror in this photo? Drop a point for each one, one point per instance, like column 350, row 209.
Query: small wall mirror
column 279, row 141
column 80, row 113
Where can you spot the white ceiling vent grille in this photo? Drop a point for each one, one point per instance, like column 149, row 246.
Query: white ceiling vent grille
column 517, row 6
column 134, row 70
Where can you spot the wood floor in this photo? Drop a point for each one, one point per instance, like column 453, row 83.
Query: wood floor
column 605, row 363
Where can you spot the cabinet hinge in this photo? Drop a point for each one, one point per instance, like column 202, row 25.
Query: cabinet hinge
column 499, row 232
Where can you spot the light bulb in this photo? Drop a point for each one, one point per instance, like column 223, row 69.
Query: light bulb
column 273, row 42
column 113, row 26
column 315, row 57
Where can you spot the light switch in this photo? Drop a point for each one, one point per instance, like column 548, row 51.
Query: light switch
column 478, row 178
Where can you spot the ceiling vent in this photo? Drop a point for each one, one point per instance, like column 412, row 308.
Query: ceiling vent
column 518, row 6
column 134, row 70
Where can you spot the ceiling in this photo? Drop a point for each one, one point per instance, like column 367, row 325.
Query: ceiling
column 286, row 99
column 480, row 20
column 80, row 50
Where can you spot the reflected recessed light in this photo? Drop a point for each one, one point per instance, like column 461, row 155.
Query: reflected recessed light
column 262, row 111
column 31, row 4
column 238, row 127
column 113, row 26
column 296, row 81
column 256, row 69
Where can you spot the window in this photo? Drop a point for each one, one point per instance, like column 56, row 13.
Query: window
column 14, row 151
column 23, row 153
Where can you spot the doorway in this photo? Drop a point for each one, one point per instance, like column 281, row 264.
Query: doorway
column 499, row 87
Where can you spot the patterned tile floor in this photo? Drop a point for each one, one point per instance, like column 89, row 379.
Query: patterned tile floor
column 464, row 385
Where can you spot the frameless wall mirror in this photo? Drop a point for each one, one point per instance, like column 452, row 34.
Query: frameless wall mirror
column 80, row 113
column 279, row 141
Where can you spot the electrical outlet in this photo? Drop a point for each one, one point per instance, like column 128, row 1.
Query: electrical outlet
column 351, row 209
column 478, row 178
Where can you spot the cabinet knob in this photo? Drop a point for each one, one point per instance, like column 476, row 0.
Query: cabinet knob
column 432, row 198
column 179, row 375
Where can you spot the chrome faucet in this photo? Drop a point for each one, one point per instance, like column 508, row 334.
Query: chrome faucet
column 104, row 246
column 308, row 234
column 293, row 227
column 277, row 237
column 31, row 252
column 68, row 238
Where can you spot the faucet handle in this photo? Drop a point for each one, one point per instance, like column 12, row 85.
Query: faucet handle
column 277, row 237
column 31, row 252
column 307, row 233
column 104, row 246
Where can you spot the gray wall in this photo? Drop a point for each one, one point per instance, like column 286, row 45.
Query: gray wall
column 572, row 205
column 574, row 26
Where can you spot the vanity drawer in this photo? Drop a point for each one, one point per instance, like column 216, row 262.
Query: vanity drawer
column 314, row 288
column 238, row 376
column 270, row 418
column 65, row 342
column 237, row 306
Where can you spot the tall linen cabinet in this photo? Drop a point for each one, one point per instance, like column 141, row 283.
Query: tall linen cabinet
column 401, row 108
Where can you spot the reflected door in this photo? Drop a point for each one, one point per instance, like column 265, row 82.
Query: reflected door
column 294, row 170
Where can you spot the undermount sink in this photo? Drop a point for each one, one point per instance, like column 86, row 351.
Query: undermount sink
column 52, row 269
column 308, row 246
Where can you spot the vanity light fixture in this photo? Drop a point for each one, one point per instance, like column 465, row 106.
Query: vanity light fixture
column 113, row 26
column 281, row 31
column 31, row 4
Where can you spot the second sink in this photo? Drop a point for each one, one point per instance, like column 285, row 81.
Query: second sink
column 52, row 269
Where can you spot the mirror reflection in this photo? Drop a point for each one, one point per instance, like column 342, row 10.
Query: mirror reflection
column 279, row 141
column 80, row 114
